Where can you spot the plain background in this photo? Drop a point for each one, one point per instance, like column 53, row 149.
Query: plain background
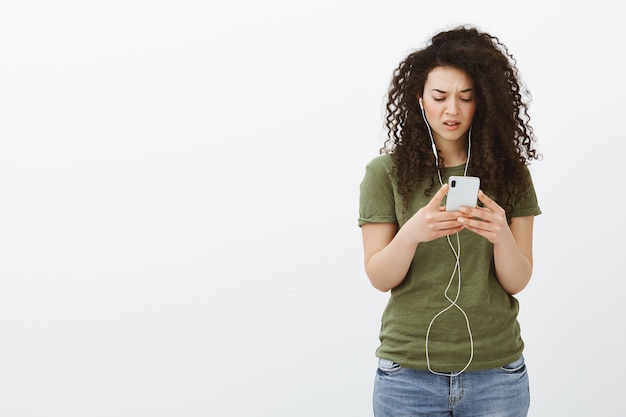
column 179, row 193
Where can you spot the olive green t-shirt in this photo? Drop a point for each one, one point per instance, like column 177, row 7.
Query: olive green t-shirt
column 413, row 304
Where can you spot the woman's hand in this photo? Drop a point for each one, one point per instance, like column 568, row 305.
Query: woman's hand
column 432, row 221
column 488, row 221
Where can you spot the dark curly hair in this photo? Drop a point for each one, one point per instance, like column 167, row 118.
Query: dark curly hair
column 502, row 138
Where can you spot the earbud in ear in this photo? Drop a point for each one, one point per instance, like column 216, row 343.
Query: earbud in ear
column 421, row 104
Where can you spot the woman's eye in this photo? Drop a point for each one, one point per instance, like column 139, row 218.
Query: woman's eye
column 438, row 99
column 467, row 100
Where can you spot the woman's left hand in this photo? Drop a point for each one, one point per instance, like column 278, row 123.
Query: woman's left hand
column 488, row 221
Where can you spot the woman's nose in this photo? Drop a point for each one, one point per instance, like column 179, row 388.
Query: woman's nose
column 452, row 107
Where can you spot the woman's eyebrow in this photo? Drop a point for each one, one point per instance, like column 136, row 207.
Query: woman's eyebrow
column 467, row 90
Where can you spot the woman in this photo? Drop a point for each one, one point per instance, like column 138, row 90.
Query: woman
column 450, row 339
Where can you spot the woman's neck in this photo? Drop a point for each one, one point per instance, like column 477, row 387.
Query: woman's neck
column 453, row 152
column 453, row 157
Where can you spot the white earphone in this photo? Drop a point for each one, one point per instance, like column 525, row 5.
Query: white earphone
column 457, row 266
column 430, row 133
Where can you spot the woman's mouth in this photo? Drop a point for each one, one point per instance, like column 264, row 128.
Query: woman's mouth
column 451, row 125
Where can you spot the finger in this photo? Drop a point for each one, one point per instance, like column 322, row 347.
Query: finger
column 452, row 229
column 487, row 202
column 448, row 232
column 489, row 205
column 439, row 196
column 476, row 226
column 475, row 212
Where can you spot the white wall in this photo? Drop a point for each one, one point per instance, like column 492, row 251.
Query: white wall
column 179, row 190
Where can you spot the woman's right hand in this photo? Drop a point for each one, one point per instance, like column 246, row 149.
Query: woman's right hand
column 432, row 221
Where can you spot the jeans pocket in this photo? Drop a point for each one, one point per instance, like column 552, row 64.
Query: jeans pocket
column 388, row 367
column 515, row 367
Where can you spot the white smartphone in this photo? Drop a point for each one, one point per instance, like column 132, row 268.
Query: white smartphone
column 462, row 191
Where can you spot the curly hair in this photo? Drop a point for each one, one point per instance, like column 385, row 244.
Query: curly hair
column 502, row 138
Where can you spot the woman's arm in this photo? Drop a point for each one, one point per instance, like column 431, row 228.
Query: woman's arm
column 387, row 259
column 514, row 257
column 388, row 252
column 512, row 244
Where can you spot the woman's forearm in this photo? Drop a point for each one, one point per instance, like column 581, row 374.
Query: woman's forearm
column 513, row 268
column 388, row 267
column 513, row 255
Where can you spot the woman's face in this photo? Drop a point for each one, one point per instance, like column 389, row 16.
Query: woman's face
column 449, row 104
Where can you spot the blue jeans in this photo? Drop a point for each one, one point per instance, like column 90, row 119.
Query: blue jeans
column 403, row 392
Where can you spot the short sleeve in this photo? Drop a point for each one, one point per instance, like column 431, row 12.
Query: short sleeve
column 526, row 203
column 376, row 200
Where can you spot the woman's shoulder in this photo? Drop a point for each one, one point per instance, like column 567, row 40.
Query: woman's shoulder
column 381, row 162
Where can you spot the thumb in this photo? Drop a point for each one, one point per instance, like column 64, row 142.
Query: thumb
column 439, row 196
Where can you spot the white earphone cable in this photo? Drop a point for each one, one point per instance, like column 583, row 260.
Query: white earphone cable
column 457, row 265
